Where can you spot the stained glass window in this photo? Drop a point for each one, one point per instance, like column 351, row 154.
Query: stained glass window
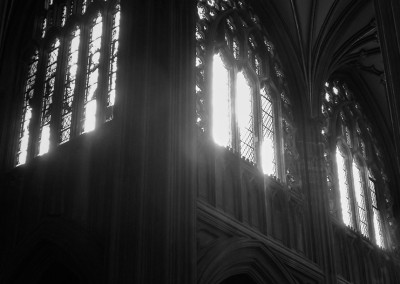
column 354, row 138
column 343, row 178
column 221, row 103
column 112, row 75
column 23, row 140
column 245, row 117
column 78, row 74
column 268, row 144
column 69, row 85
column 48, row 96
column 360, row 199
column 239, row 85
column 92, row 75
column 377, row 222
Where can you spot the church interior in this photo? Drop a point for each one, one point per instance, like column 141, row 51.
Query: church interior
column 200, row 141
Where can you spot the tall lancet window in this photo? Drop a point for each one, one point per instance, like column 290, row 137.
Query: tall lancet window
column 92, row 75
column 242, row 100
column 71, row 80
column 268, row 143
column 69, row 85
column 112, row 72
column 48, row 97
column 356, row 173
column 26, row 116
column 344, row 188
column 244, row 110
column 221, row 103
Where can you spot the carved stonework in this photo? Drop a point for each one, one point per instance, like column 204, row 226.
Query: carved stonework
column 291, row 155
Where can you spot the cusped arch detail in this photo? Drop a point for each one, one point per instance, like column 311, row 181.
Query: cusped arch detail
column 226, row 258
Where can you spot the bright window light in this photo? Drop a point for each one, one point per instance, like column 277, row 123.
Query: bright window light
column 268, row 161
column 243, row 96
column 376, row 217
column 343, row 188
column 360, row 199
column 90, row 113
column 45, row 140
column 220, row 102
column 267, row 156
column 244, row 104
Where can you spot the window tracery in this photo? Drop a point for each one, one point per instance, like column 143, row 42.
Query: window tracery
column 75, row 37
column 354, row 165
column 24, row 135
column 241, row 92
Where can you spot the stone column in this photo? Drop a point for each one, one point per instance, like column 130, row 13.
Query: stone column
column 389, row 35
column 314, row 183
column 153, row 225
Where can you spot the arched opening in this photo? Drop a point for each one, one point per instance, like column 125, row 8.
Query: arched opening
column 242, row 261
column 239, row 279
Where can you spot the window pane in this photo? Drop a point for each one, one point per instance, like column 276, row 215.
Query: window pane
column 92, row 74
column 69, row 86
column 49, row 84
column 268, row 146
column 112, row 75
column 221, row 103
column 360, row 199
column 27, row 110
column 244, row 105
column 376, row 216
column 45, row 140
column 344, row 188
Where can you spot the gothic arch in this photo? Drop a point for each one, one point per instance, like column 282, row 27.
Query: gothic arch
column 226, row 258
column 55, row 244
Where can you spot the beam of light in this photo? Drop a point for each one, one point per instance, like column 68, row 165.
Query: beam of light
column 221, row 124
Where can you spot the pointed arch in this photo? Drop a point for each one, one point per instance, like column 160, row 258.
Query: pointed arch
column 226, row 258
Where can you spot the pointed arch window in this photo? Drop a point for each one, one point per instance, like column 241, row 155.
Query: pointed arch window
column 26, row 116
column 70, row 85
column 92, row 75
column 241, row 92
column 352, row 165
column 72, row 76
column 48, row 97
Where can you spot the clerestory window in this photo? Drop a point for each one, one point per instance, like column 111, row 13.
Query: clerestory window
column 70, row 83
column 241, row 92
column 355, row 167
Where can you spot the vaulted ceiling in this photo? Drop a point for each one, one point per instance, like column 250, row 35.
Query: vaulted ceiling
column 335, row 36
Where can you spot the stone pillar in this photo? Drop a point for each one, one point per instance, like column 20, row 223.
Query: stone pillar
column 153, row 225
column 387, row 16
column 388, row 22
column 314, row 183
